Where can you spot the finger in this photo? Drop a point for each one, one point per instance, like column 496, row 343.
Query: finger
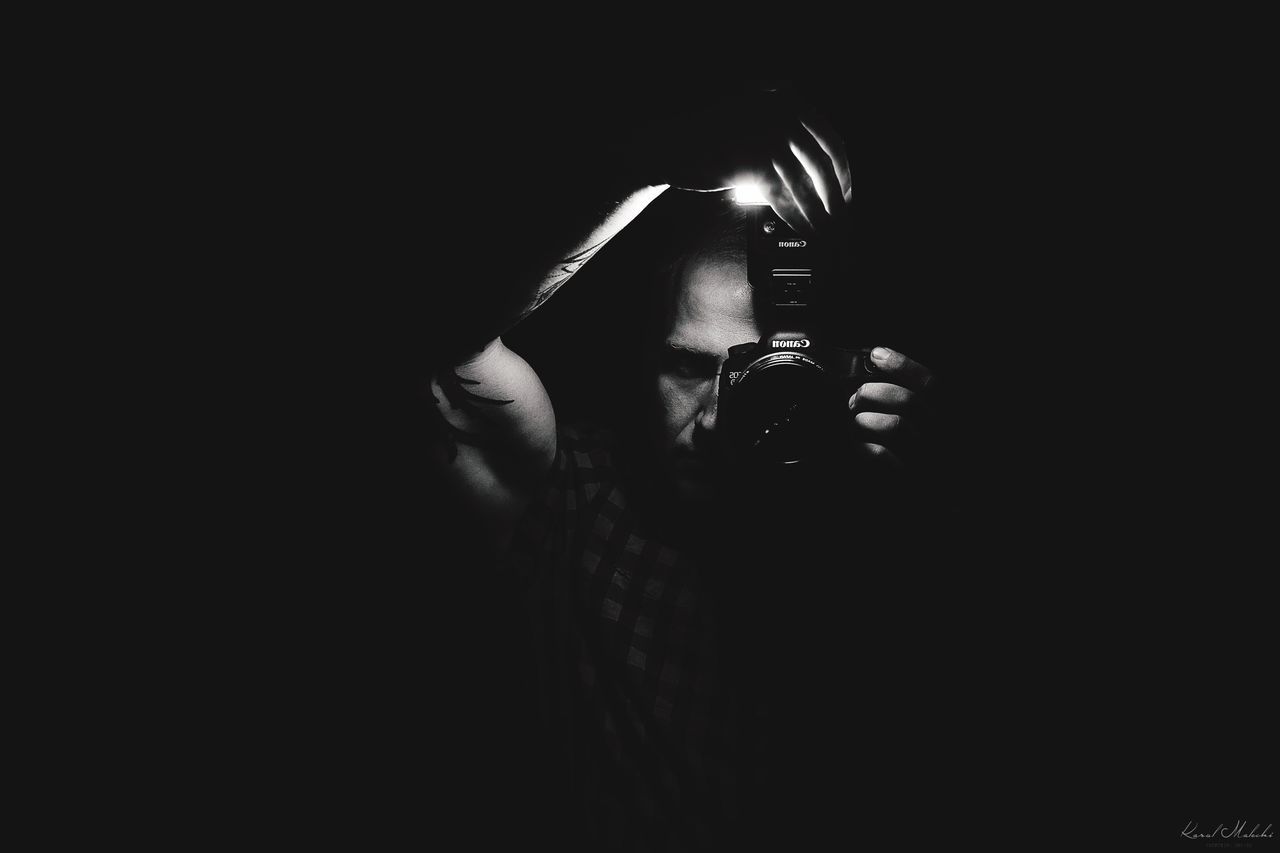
column 897, row 368
column 877, row 454
column 819, row 167
column 782, row 202
column 892, row 431
column 798, row 182
column 833, row 145
column 889, row 398
column 883, row 426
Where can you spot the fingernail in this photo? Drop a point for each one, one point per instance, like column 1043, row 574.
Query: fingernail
column 853, row 401
column 880, row 354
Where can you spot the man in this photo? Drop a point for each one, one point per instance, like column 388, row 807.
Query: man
column 645, row 573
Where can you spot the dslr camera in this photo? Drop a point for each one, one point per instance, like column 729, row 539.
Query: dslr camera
column 783, row 403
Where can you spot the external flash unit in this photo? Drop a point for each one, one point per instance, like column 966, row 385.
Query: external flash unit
column 748, row 194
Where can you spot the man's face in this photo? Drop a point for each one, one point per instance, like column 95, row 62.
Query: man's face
column 711, row 311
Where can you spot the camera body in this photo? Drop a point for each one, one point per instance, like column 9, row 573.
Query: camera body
column 783, row 400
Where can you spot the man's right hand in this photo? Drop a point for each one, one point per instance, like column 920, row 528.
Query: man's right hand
column 787, row 150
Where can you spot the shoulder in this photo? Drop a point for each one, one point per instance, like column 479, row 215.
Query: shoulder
column 495, row 435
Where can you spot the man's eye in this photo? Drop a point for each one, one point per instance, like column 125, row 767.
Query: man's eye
column 688, row 366
column 685, row 370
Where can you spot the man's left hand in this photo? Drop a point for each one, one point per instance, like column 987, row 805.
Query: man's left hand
column 891, row 411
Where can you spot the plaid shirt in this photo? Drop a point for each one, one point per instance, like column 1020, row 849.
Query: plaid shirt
column 628, row 666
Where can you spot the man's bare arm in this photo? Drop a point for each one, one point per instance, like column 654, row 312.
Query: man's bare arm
column 497, row 426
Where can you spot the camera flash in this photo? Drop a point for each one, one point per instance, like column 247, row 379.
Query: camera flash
column 748, row 194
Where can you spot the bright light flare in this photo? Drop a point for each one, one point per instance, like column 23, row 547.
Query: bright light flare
column 748, row 194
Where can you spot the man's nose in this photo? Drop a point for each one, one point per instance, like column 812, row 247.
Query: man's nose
column 709, row 406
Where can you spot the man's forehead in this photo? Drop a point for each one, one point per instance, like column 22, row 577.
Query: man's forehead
column 713, row 307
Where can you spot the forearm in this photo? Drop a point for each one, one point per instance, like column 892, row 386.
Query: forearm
column 525, row 284
column 611, row 219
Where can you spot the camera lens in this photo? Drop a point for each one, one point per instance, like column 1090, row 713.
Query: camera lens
column 779, row 409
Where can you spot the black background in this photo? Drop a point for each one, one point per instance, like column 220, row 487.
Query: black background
column 1091, row 653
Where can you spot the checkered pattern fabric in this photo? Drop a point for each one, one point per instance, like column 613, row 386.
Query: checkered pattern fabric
column 627, row 659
